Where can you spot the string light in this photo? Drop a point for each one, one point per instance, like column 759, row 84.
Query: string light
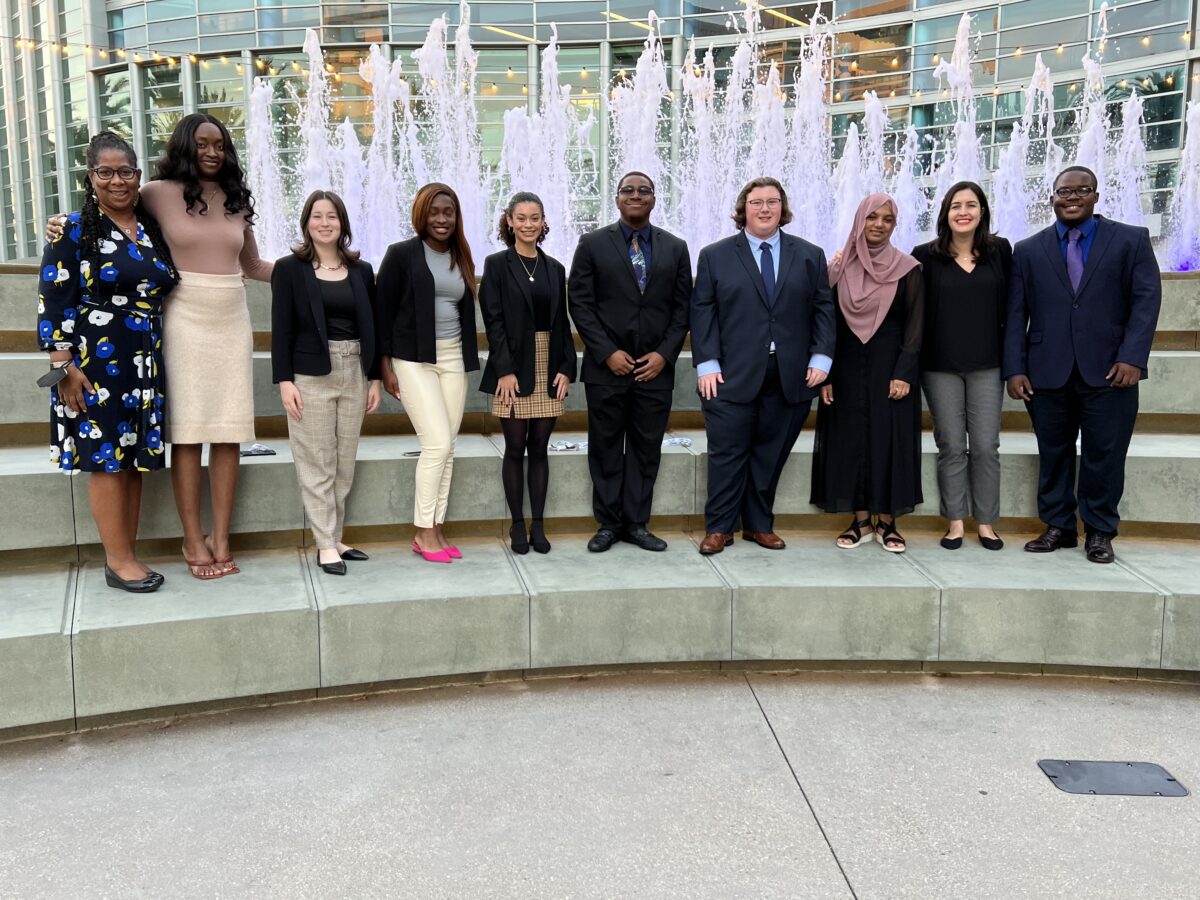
column 1019, row 52
column 1061, row 49
column 934, row 59
column 240, row 70
column 583, row 73
column 1146, row 41
column 510, row 75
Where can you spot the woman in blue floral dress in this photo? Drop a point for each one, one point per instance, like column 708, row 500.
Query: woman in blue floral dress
column 100, row 315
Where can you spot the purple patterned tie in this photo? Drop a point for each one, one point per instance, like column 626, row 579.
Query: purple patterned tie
column 638, row 259
column 1074, row 258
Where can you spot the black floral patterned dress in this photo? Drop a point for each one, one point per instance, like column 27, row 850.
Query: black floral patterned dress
column 112, row 321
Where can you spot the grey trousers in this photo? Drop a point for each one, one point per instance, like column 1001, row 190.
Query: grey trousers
column 325, row 440
column 966, row 426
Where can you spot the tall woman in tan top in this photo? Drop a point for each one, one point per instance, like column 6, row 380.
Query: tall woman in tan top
column 201, row 200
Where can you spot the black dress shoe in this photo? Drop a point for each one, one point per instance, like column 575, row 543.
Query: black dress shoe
column 355, row 555
column 145, row 585
column 639, row 536
column 1052, row 539
column 602, row 540
column 333, row 568
column 1098, row 548
column 991, row 543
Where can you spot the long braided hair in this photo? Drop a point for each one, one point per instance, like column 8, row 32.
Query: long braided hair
column 178, row 163
column 90, row 215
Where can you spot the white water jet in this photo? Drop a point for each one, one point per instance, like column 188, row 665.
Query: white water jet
column 1013, row 192
column 1127, row 176
column 703, row 199
column 874, row 156
column 348, row 174
column 910, row 199
column 637, row 118
column 1092, row 117
column 314, row 121
column 808, row 175
column 271, row 228
column 962, row 159
column 1183, row 246
column 847, row 186
column 381, row 209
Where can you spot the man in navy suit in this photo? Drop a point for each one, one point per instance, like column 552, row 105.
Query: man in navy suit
column 763, row 333
column 1083, row 305
column 628, row 295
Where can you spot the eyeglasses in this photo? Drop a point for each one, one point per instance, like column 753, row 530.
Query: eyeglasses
column 1081, row 192
column 642, row 191
column 771, row 203
column 125, row 173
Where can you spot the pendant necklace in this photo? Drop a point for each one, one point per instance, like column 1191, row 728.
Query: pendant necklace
column 529, row 271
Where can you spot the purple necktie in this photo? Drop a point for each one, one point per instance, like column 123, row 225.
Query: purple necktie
column 1074, row 258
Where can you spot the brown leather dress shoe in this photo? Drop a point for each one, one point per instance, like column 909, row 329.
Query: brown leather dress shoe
column 715, row 542
column 1052, row 539
column 768, row 539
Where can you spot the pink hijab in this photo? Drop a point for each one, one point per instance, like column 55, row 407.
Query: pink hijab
column 866, row 276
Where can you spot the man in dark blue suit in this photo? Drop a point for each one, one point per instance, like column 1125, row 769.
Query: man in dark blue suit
column 1082, row 309
column 763, row 332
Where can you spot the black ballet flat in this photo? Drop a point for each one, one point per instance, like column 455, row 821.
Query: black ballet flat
column 537, row 537
column 146, row 585
column 333, row 568
column 949, row 543
column 991, row 543
column 517, row 539
column 355, row 555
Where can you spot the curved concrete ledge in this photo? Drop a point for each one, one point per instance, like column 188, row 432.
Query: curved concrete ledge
column 72, row 650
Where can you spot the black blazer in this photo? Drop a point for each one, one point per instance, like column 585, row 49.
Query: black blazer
column 507, row 306
column 933, row 268
column 733, row 324
column 609, row 312
column 405, row 307
column 1110, row 319
column 299, row 344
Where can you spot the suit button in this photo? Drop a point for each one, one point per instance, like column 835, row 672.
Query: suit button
column 1074, row 306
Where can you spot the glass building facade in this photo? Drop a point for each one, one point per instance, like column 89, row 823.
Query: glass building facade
column 69, row 68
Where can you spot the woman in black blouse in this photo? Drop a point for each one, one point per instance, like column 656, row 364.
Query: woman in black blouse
column 966, row 286
column 325, row 359
column 531, row 357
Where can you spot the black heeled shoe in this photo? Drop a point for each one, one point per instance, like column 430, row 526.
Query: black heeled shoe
column 353, row 555
column 517, row 539
column 151, row 582
column 333, row 568
column 537, row 536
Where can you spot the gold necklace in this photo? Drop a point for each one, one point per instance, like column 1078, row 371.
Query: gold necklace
column 130, row 233
column 528, row 271
column 321, row 265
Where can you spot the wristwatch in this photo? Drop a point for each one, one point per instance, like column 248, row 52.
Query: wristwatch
column 56, row 374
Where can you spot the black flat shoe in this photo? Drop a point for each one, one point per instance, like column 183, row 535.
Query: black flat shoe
column 640, row 537
column 518, row 540
column 355, row 555
column 333, row 568
column 991, row 543
column 146, row 585
column 537, row 537
column 949, row 543
column 602, row 540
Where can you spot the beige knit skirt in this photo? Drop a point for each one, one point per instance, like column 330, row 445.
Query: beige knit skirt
column 539, row 404
column 207, row 351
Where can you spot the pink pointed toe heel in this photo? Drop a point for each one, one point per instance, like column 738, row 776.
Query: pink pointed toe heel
column 453, row 551
column 438, row 556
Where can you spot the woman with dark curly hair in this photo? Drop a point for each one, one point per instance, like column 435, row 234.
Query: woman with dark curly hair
column 100, row 303
column 531, row 358
column 200, row 197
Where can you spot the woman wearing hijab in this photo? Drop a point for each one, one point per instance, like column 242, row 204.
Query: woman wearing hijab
column 867, row 455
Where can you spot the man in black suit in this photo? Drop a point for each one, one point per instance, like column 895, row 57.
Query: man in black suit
column 1082, row 309
column 763, row 333
column 628, row 293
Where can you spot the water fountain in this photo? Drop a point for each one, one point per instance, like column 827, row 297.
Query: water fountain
column 725, row 134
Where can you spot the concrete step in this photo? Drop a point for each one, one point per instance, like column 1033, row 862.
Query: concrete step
column 1173, row 390
column 48, row 509
column 74, row 652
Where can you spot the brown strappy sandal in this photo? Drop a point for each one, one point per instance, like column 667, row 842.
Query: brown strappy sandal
column 202, row 564
column 228, row 565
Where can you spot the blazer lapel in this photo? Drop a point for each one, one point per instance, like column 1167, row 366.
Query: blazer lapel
column 618, row 242
column 521, row 276
column 1053, row 251
column 660, row 262
column 421, row 277
column 1100, row 241
column 362, row 303
column 554, row 283
column 746, row 256
column 313, row 288
column 787, row 252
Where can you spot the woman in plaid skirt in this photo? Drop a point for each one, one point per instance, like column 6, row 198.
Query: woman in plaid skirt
column 531, row 357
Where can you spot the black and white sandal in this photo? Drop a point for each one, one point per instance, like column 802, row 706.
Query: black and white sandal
column 861, row 531
column 890, row 537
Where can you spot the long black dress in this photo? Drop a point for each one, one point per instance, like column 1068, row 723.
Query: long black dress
column 867, row 453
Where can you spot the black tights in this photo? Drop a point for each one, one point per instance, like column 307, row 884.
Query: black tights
column 521, row 435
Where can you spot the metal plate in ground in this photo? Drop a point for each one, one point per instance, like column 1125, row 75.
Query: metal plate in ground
column 1126, row 779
